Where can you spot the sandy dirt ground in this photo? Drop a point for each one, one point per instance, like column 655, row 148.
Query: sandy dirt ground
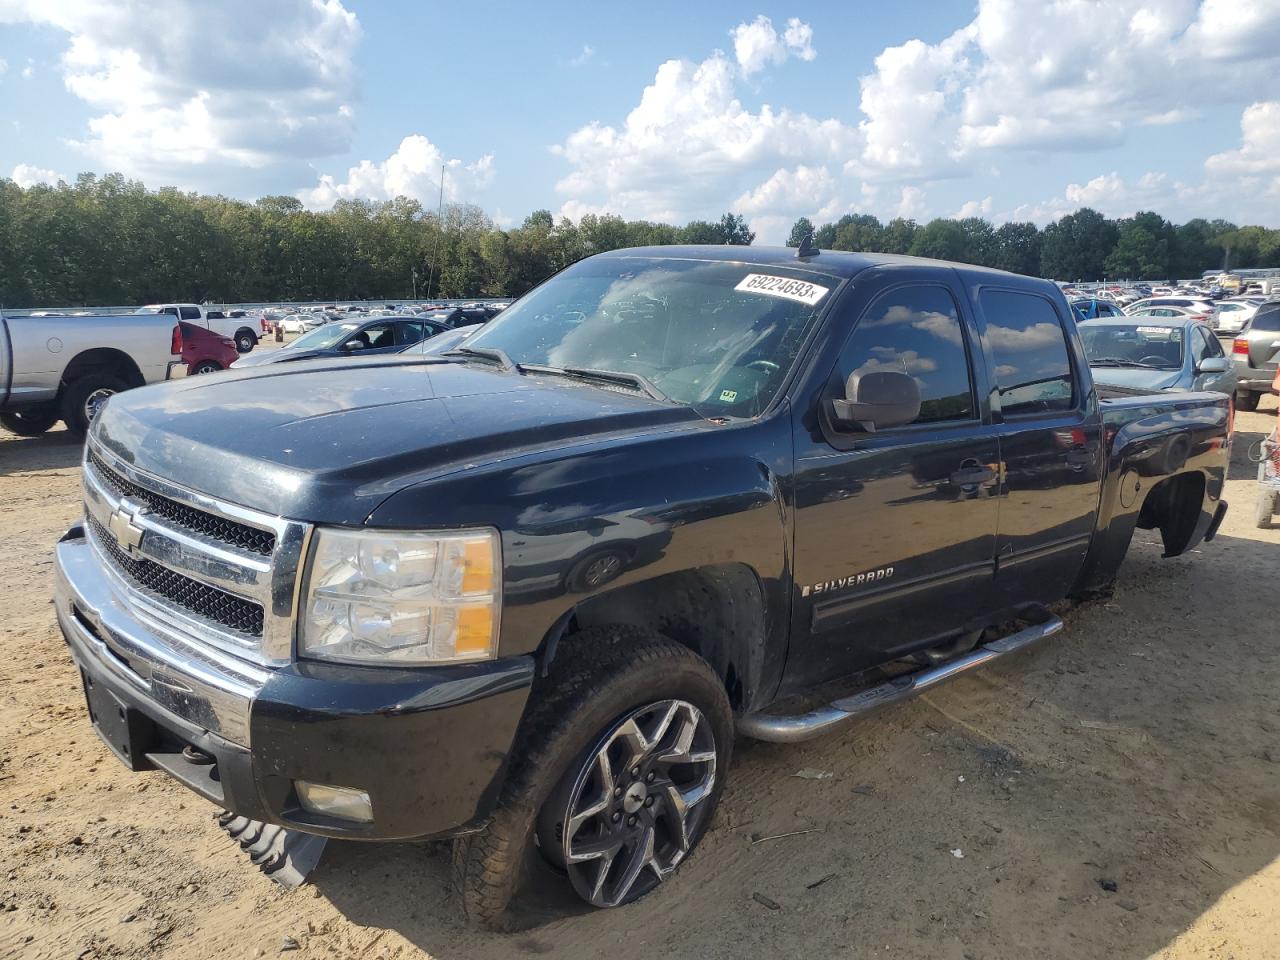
column 1114, row 792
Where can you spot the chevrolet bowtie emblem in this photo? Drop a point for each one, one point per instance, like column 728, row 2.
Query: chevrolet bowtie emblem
column 124, row 528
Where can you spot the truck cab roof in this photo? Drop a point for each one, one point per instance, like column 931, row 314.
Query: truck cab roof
column 834, row 263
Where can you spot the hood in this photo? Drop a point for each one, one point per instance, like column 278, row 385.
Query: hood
column 284, row 355
column 327, row 440
column 1136, row 379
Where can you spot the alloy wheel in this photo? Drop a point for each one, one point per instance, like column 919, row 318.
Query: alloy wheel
column 94, row 401
column 637, row 806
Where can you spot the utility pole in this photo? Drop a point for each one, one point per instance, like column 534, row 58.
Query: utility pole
column 414, row 271
column 435, row 257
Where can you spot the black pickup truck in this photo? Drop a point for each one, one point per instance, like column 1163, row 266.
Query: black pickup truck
column 525, row 594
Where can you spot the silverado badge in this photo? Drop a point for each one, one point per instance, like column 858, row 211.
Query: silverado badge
column 853, row 580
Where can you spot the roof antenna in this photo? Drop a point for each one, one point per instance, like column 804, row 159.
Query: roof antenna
column 806, row 248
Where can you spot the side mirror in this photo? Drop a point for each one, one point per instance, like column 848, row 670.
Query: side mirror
column 878, row 399
column 1212, row 365
column 353, row 345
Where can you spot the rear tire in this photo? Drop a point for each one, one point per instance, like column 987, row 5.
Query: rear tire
column 245, row 341
column 30, row 423
column 509, row 875
column 1265, row 508
column 82, row 397
column 1247, row 400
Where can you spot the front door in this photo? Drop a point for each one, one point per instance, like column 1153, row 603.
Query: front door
column 895, row 530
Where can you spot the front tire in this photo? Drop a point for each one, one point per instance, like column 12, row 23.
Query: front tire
column 1247, row 400
column 30, row 423
column 82, row 399
column 610, row 691
column 207, row 366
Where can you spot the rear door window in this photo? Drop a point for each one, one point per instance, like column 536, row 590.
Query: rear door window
column 410, row 331
column 189, row 313
column 1266, row 319
column 1032, row 362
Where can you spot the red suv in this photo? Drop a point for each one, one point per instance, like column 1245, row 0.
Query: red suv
column 203, row 351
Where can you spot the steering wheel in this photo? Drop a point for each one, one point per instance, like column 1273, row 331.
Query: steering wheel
column 1153, row 360
column 768, row 366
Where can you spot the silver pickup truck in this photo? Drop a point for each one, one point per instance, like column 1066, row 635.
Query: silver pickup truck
column 64, row 368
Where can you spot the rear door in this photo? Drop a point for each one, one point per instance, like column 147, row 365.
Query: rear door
column 1263, row 335
column 894, row 530
column 1050, row 445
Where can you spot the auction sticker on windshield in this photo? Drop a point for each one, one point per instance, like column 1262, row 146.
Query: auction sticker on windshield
column 802, row 291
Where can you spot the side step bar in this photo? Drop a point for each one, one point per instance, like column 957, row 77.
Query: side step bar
column 779, row 729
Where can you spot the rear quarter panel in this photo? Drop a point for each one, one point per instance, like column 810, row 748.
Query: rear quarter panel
column 1150, row 439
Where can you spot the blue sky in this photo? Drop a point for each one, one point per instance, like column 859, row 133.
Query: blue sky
column 1012, row 109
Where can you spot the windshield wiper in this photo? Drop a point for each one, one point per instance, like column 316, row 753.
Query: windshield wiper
column 486, row 353
column 639, row 382
column 1121, row 362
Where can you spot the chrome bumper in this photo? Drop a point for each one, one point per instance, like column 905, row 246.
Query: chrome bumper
column 201, row 686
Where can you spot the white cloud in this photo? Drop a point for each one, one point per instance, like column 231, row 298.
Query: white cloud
column 690, row 146
column 757, row 44
column 587, row 52
column 412, row 171
column 911, row 204
column 974, row 208
column 1041, row 75
column 1108, row 193
column 25, row 175
column 1259, row 151
column 1241, row 184
column 203, row 87
column 4, row 66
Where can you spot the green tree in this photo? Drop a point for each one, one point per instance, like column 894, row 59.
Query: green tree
column 1142, row 248
column 1017, row 248
column 799, row 230
column 734, row 230
column 939, row 239
column 1076, row 246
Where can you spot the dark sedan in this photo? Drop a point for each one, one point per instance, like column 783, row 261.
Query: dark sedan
column 350, row 338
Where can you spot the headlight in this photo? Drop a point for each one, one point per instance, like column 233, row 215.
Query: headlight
column 390, row 597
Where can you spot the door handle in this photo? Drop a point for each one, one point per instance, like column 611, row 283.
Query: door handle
column 972, row 475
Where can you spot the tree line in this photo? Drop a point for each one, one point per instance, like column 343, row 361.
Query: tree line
column 1083, row 245
column 108, row 240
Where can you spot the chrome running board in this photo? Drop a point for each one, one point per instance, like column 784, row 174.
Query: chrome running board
column 780, row 729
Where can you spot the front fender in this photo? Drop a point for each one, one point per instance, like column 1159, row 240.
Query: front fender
column 644, row 507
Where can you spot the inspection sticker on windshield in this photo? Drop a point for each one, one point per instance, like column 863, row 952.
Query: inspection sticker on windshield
column 801, row 291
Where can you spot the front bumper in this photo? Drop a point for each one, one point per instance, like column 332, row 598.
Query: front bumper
column 428, row 745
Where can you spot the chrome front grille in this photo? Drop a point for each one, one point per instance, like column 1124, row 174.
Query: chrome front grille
column 241, row 616
column 261, row 542
column 203, row 569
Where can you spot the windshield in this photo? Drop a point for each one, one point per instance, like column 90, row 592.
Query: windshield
column 141, row 311
column 1133, row 345
column 323, row 338
column 719, row 337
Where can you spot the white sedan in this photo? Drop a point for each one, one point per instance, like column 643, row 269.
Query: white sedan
column 301, row 322
column 1233, row 315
